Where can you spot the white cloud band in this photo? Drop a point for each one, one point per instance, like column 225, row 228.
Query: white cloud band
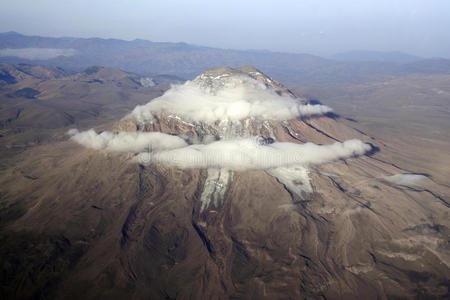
column 244, row 98
column 249, row 154
column 126, row 141
column 37, row 53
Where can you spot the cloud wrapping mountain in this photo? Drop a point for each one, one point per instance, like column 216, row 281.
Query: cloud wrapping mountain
column 240, row 99
column 213, row 98
column 244, row 154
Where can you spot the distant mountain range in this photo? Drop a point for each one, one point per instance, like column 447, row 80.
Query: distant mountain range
column 185, row 60
column 376, row 56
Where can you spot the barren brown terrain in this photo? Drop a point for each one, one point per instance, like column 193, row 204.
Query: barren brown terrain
column 410, row 113
column 83, row 223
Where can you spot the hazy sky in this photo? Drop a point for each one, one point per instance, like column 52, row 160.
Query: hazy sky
column 322, row 27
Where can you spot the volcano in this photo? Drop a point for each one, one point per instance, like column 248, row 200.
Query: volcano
column 229, row 186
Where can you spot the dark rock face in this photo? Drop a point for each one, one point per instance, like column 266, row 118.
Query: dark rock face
column 266, row 141
column 7, row 78
column 145, row 232
column 29, row 93
column 92, row 70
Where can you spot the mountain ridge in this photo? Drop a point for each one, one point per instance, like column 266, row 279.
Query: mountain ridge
column 187, row 60
column 376, row 56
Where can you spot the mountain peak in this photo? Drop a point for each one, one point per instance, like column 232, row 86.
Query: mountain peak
column 216, row 79
column 9, row 33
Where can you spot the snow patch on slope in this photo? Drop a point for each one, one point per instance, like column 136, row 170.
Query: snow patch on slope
column 406, row 179
column 215, row 187
column 295, row 179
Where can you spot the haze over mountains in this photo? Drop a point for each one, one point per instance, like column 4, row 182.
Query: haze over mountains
column 184, row 60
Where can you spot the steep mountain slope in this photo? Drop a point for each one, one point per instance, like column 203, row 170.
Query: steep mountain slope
column 122, row 221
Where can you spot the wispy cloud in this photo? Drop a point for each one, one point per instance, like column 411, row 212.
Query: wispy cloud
column 37, row 53
column 126, row 141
